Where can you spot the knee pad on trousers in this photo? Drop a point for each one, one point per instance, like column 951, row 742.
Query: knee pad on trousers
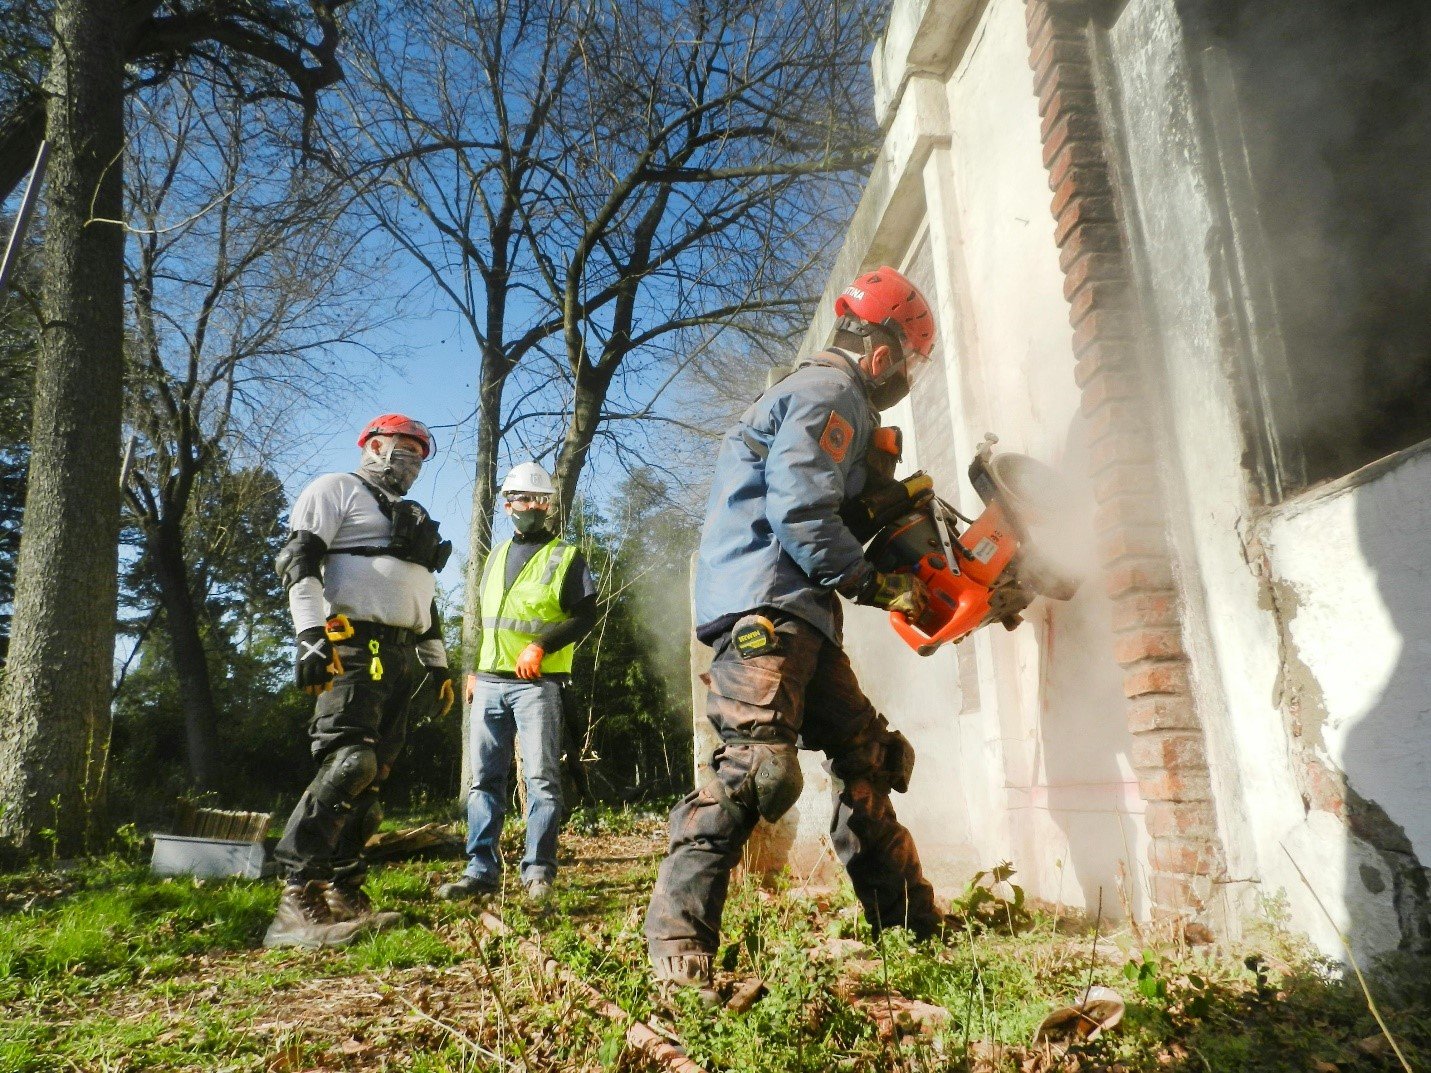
column 349, row 771
column 777, row 780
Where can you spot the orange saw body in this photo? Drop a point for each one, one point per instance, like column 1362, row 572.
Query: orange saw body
column 988, row 572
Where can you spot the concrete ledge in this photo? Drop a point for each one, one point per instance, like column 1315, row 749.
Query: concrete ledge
column 924, row 37
column 893, row 201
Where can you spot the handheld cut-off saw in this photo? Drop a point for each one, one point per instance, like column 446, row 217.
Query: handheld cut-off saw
column 978, row 570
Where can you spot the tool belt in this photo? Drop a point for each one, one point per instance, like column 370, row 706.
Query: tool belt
column 388, row 635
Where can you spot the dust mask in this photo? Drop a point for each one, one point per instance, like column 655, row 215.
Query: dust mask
column 529, row 521
column 393, row 466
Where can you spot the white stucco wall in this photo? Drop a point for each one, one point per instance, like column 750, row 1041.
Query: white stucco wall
column 1307, row 623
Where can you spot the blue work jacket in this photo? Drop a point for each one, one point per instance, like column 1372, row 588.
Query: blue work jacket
column 773, row 537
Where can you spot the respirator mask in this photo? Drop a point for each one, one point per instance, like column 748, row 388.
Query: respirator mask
column 393, row 466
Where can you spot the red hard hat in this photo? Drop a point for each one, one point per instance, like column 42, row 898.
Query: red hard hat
column 397, row 425
column 886, row 298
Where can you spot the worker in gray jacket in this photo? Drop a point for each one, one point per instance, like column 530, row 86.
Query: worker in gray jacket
column 360, row 569
column 775, row 556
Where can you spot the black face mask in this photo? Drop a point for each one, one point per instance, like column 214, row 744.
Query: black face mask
column 890, row 389
column 529, row 521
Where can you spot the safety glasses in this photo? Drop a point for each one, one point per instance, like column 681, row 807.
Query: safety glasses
column 529, row 499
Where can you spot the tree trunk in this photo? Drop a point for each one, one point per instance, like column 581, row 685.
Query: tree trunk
column 54, row 707
column 186, row 647
column 495, row 371
column 591, row 388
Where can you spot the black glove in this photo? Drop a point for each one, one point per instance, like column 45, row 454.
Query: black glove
column 440, row 679
column 313, row 669
column 904, row 593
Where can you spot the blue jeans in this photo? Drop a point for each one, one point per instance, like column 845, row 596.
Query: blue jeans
column 529, row 712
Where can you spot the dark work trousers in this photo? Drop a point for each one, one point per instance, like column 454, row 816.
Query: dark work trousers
column 326, row 834
column 804, row 693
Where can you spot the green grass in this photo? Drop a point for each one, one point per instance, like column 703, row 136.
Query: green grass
column 111, row 968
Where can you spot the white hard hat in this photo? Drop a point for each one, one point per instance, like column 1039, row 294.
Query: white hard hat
column 528, row 477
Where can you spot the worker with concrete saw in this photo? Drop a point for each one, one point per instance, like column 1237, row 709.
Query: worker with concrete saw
column 359, row 567
column 775, row 556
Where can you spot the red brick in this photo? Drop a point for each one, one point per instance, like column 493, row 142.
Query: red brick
column 1174, row 750
column 1180, row 819
column 1151, row 574
column 1037, row 16
column 1072, row 128
column 1146, row 609
column 1161, row 711
column 1113, row 386
column 1093, row 268
column 1118, row 450
column 1087, row 181
column 1161, row 676
column 1103, row 238
column 1175, row 893
column 1127, row 511
column 1059, row 76
column 1081, row 163
column 1166, row 785
column 1068, row 100
column 1049, row 20
column 1101, row 324
column 1132, row 542
column 1322, row 788
column 1110, row 295
column 1109, row 360
column 1085, row 171
column 1140, row 479
column 1082, row 210
column 1061, row 59
column 1179, row 856
column 1118, row 414
column 1150, row 642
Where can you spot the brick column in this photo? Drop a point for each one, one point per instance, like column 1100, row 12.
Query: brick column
column 1168, row 751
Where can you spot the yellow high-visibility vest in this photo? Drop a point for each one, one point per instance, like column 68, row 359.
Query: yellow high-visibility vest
column 512, row 618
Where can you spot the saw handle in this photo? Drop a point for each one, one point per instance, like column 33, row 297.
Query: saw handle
column 957, row 605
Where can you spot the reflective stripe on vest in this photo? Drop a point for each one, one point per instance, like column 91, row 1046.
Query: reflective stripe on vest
column 512, row 618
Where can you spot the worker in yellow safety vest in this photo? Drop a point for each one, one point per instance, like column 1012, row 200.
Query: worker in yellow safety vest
column 538, row 600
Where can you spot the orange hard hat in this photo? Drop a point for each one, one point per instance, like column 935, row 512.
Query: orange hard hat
column 397, row 425
column 886, row 298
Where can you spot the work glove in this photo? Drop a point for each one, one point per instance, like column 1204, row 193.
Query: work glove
column 440, row 679
column 904, row 593
column 529, row 663
column 313, row 668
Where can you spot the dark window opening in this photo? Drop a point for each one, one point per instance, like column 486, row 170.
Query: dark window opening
column 1335, row 103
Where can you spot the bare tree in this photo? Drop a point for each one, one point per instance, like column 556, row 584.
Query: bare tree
column 54, row 702
column 707, row 167
column 281, row 50
column 243, row 293
column 599, row 192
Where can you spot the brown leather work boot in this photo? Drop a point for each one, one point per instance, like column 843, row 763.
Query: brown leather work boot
column 351, row 903
column 304, row 920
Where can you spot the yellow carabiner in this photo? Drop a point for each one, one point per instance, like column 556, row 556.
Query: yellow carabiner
column 375, row 666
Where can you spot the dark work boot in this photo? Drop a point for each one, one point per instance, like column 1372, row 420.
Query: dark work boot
column 467, row 887
column 304, row 920
column 687, row 970
column 350, row 902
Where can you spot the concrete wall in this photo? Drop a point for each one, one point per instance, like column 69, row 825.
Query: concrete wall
column 1307, row 622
